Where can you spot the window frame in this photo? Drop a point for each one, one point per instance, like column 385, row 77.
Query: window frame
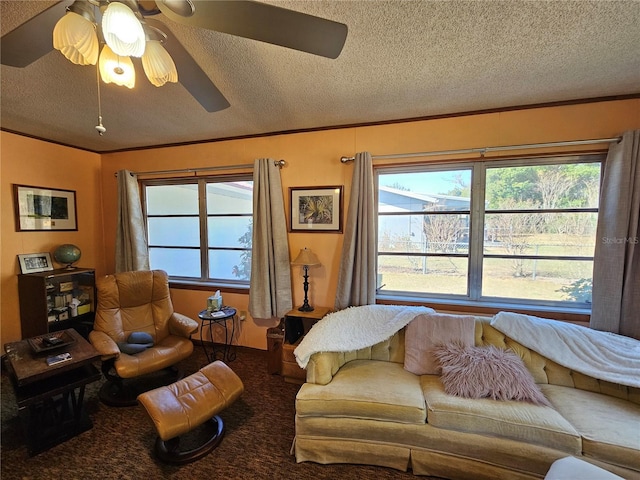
column 477, row 216
column 203, row 223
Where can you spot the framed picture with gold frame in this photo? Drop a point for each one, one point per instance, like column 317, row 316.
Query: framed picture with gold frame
column 316, row 209
column 38, row 208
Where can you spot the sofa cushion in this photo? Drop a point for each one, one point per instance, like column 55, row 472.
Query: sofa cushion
column 509, row 419
column 427, row 331
column 479, row 372
column 610, row 427
column 370, row 389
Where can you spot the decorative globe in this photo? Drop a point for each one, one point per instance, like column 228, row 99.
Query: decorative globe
column 67, row 254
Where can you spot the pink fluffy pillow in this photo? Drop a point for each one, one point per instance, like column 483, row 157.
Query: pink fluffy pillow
column 481, row 372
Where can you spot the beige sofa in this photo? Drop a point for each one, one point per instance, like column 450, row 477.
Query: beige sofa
column 363, row 407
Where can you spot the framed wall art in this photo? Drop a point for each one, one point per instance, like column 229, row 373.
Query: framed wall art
column 35, row 262
column 39, row 208
column 316, row 209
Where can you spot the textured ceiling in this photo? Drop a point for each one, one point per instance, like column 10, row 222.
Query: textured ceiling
column 402, row 59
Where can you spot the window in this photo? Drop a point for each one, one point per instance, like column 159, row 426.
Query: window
column 503, row 232
column 200, row 229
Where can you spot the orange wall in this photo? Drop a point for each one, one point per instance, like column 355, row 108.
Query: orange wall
column 312, row 160
column 31, row 162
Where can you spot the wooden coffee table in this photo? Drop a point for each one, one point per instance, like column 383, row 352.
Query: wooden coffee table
column 50, row 398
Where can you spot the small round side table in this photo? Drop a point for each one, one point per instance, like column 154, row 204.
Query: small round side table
column 220, row 318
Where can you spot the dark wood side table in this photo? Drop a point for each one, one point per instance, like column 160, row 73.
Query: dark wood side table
column 220, row 318
column 50, row 398
column 296, row 325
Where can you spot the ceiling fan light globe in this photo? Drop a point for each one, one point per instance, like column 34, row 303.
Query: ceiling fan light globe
column 75, row 37
column 158, row 65
column 123, row 31
column 184, row 8
column 116, row 69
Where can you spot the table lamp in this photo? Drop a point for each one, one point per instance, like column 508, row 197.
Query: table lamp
column 306, row 258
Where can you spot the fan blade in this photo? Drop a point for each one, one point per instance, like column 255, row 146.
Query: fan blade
column 33, row 39
column 267, row 23
column 190, row 75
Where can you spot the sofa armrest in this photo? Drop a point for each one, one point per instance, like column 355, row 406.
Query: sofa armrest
column 104, row 344
column 323, row 366
column 182, row 325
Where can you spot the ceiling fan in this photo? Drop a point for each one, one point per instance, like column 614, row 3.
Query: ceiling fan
column 244, row 18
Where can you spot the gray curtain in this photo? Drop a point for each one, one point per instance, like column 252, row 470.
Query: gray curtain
column 616, row 269
column 132, row 252
column 270, row 284
column 357, row 274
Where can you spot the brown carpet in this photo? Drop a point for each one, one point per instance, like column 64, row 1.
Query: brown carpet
column 259, row 433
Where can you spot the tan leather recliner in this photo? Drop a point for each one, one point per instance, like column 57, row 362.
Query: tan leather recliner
column 137, row 302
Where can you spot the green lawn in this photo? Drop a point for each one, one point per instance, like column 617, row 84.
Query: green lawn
column 529, row 279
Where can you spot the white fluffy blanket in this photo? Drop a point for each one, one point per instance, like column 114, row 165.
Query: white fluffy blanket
column 602, row 355
column 355, row 328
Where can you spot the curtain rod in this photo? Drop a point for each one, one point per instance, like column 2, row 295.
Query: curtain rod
column 484, row 150
column 277, row 163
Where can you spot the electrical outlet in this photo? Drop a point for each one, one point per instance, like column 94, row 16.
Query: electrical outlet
column 243, row 315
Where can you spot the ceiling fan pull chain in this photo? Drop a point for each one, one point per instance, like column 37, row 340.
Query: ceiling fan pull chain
column 99, row 128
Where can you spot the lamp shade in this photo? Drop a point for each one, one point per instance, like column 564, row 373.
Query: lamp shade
column 116, row 69
column 306, row 257
column 158, row 64
column 123, row 31
column 75, row 36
